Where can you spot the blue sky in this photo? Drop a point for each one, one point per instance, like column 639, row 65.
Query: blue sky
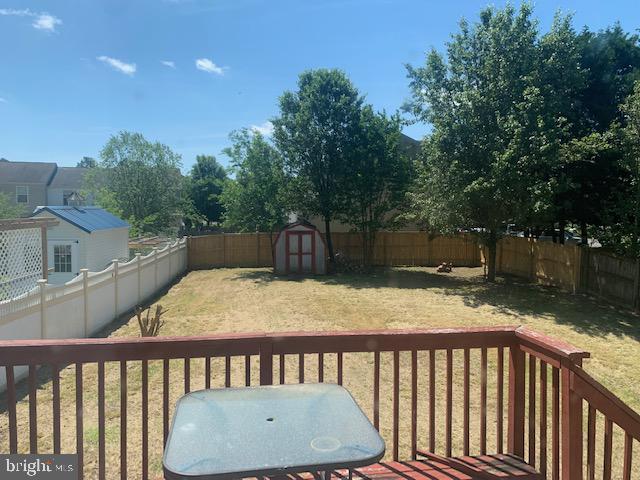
column 73, row 72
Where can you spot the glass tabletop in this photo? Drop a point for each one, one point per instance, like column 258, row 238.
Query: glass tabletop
column 253, row 431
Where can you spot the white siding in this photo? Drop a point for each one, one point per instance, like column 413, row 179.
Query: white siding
column 55, row 196
column 105, row 245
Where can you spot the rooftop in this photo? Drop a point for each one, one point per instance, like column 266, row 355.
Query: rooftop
column 89, row 219
column 68, row 177
column 27, row 172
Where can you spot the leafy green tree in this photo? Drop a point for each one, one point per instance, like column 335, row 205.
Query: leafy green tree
column 87, row 162
column 316, row 133
column 9, row 209
column 486, row 106
column 586, row 175
column 611, row 58
column 206, row 182
column 622, row 232
column 379, row 178
column 140, row 181
column 254, row 199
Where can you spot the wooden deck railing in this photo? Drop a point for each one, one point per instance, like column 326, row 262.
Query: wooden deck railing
column 446, row 391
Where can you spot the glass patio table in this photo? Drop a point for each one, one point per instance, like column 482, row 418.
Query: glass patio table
column 268, row 430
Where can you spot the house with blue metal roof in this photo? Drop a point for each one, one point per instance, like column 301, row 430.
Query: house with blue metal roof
column 85, row 237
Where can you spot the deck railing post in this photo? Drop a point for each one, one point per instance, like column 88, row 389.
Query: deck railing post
column 571, row 432
column 266, row 363
column 515, row 435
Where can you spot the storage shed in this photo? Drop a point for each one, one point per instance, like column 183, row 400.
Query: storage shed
column 300, row 249
column 85, row 237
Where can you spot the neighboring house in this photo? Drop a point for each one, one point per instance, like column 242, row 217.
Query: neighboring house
column 66, row 184
column 26, row 182
column 85, row 237
column 29, row 184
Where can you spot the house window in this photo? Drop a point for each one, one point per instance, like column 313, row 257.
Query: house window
column 65, row 196
column 22, row 194
column 62, row 258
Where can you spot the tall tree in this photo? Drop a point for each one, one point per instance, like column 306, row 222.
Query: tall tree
column 379, row 178
column 254, row 199
column 206, row 182
column 316, row 133
column 87, row 162
column 560, row 80
column 587, row 174
column 485, row 104
column 623, row 230
column 140, row 181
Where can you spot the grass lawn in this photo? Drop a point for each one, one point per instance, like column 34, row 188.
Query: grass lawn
column 249, row 300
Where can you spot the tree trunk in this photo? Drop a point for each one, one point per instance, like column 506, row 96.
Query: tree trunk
column 562, row 228
column 583, row 233
column 492, row 245
column 327, row 235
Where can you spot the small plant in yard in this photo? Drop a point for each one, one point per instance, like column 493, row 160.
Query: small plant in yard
column 150, row 325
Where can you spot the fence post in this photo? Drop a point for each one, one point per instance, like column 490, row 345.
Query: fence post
column 139, row 264
column 515, row 435
column 42, row 283
column 116, row 266
column 532, row 261
column 85, row 296
column 571, row 428
column 427, row 260
column 266, row 363
column 224, row 250
column 636, row 285
column 169, row 255
column 155, row 266
column 257, row 248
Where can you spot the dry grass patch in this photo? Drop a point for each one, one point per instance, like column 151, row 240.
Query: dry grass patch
column 250, row 300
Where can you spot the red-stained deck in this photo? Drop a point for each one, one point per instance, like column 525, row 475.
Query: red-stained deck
column 496, row 467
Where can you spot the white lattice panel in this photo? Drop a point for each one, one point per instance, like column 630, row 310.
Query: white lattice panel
column 20, row 261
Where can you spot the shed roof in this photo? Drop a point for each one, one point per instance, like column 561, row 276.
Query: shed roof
column 26, row 172
column 68, row 177
column 88, row 219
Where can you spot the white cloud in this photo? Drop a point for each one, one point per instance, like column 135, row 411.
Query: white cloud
column 42, row 21
column 46, row 22
column 265, row 129
column 18, row 13
column 3, row 100
column 168, row 63
column 207, row 65
column 122, row 67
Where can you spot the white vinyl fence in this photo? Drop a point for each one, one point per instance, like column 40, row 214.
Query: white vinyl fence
column 92, row 300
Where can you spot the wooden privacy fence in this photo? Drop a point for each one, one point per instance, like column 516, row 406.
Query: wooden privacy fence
column 391, row 248
column 570, row 267
column 574, row 268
